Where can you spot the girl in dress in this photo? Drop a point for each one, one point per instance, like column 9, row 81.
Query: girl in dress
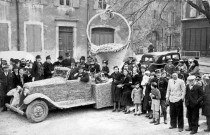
column 136, row 97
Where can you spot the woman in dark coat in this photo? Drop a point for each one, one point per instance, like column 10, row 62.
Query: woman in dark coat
column 136, row 77
column 116, row 90
column 126, row 88
column 207, row 101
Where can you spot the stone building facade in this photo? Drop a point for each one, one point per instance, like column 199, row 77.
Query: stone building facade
column 195, row 31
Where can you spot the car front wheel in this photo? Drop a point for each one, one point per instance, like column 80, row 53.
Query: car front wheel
column 37, row 111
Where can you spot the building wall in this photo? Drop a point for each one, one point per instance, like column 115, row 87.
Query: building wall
column 195, row 31
column 48, row 15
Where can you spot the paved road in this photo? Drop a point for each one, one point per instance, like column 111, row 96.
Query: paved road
column 86, row 121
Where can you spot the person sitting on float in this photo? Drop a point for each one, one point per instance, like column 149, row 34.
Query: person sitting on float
column 82, row 75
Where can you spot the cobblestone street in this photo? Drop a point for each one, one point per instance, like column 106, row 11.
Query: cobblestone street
column 80, row 121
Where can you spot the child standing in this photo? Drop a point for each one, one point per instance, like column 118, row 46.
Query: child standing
column 145, row 80
column 136, row 96
column 155, row 96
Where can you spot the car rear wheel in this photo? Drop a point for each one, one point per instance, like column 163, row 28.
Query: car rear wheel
column 37, row 111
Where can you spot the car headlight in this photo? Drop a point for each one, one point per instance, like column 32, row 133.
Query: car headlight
column 26, row 92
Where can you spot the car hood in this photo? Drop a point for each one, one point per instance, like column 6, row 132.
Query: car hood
column 46, row 82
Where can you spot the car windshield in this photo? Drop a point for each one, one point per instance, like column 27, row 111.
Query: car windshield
column 61, row 72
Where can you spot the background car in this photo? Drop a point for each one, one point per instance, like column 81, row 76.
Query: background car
column 158, row 60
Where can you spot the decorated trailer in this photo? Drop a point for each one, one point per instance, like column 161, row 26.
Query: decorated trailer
column 35, row 99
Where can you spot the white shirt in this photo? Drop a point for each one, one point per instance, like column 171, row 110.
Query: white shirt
column 176, row 90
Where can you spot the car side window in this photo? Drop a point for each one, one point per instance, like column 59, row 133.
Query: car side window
column 175, row 56
column 168, row 57
column 164, row 59
column 148, row 59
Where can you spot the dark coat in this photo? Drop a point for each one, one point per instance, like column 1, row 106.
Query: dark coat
column 67, row 62
column 84, row 66
column 207, row 99
column 84, row 77
column 57, row 64
column 37, row 71
column 94, row 68
column 137, row 78
column 48, row 68
column 194, row 97
column 72, row 73
column 16, row 80
column 116, row 92
column 105, row 70
column 6, row 83
column 126, row 95
column 162, row 86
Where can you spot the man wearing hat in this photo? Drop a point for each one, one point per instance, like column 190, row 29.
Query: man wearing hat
column 67, row 62
column 162, row 84
column 48, row 68
column 193, row 98
column 105, row 68
column 81, row 75
column 6, row 84
column 37, row 71
column 82, row 63
column 169, row 67
column 59, row 62
column 73, row 71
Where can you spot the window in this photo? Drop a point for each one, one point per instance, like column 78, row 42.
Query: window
column 33, row 36
column 171, row 19
column 4, row 39
column 102, row 4
column 66, row 2
column 175, row 56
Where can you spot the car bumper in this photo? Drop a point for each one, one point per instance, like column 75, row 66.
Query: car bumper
column 15, row 109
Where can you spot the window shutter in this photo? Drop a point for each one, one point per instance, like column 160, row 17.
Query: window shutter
column 95, row 4
column 56, row 3
column 44, row 2
column 76, row 3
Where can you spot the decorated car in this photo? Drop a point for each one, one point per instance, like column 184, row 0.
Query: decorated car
column 35, row 99
column 158, row 60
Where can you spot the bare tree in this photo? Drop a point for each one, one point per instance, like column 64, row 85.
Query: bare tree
column 205, row 11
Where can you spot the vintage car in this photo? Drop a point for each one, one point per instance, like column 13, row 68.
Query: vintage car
column 36, row 98
column 158, row 60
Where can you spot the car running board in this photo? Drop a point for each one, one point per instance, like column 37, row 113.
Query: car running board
column 75, row 103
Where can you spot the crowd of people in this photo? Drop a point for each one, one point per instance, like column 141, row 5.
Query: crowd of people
column 132, row 85
column 153, row 92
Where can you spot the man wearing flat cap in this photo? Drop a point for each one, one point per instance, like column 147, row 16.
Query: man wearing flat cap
column 48, row 68
column 6, row 84
column 67, row 62
column 59, row 62
column 169, row 67
column 193, row 98
column 37, row 71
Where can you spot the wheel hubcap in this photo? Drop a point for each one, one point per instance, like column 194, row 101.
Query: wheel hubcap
column 38, row 111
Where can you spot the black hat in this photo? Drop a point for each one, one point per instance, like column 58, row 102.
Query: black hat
column 82, row 58
column 137, row 83
column 60, row 57
column 38, row 57
column 48, row 57
column 16, row 61
column 158, row 71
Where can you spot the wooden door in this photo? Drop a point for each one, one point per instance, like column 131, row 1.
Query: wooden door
column 66, row 40
column 102, row 36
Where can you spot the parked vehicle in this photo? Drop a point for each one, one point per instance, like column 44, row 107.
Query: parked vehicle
column 158, row 60
column 37, row 98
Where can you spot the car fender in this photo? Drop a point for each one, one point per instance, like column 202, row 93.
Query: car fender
column 32, row 97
